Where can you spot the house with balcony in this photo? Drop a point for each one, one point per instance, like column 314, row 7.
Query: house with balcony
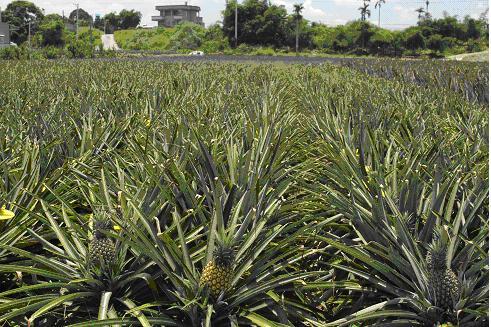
column 172, row 15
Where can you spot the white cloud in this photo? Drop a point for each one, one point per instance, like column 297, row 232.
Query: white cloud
column 310, row 11
column 405, row 13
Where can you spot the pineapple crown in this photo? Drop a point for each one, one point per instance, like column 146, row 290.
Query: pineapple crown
column 102, row 226
column 436, row 258
column 223, row 255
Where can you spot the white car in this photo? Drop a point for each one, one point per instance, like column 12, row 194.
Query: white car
column 197, row 53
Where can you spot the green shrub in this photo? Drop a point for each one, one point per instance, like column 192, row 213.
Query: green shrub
column 79, row 49
column 264, row 52
column 214, row 46
column 414, row 40
column 188, row 36
column 14, row 53
column 436, row 43
column 475, row 46
column 244, row 48
column 52, row 31
column 52, row 52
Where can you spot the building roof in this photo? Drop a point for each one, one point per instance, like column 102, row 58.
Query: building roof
column 178, row 7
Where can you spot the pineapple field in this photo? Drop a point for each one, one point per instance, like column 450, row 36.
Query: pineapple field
column 146, row 193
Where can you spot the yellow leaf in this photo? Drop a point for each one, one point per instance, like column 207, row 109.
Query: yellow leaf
column 6, row 214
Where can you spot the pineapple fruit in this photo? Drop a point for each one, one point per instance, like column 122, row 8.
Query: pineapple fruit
column 443, row 282
column 218, row 273
column 102, row 248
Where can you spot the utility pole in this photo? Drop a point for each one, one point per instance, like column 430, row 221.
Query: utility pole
column 91, row 40
column 236, row 21
column 29, row 34
column 379, row 16
column 0, row 14
column 29, row 37
column 76, row 30
column 297, row 8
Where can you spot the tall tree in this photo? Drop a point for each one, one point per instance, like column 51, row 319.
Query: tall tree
column 297, row 8
column 19, row 14
column 365, row 13
column 378, row 5
column 112, row 21
column 259, row 23
column 52, row 30
column 364, row 10
column 421, row 13
column 129, row 19
column 427, row 13
column 82, row 16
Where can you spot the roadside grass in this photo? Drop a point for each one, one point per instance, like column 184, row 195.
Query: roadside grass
column 144, row 39
column 477, row 56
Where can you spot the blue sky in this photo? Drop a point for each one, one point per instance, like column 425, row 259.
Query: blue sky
column 395, row 14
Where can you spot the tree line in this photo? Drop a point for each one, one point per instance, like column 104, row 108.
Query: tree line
column 261, row 23
column 52, row 28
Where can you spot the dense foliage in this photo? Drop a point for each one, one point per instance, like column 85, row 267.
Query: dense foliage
column 266, row 24
column 84, row 18
column 238, row 195
column 262, row 23
column 124, row 20
column 184, row 37
column 19, row 13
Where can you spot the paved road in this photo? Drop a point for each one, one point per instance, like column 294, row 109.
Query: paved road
column 108, row 42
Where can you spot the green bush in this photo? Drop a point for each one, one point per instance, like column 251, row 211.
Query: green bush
column 10, row 53
column 475, row 46
column 188, row 36
column 436, row 43
column 213, row 46
column 79, row 49
column 52, row 52
column 244, row 48
column 264, row 52
column 415, row 40
column 52, row 31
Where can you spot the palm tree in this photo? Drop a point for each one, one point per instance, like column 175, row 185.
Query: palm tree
column 379, row 5
column 365, row 12
column 420, row 12
column 427, row 14
column 298, row 16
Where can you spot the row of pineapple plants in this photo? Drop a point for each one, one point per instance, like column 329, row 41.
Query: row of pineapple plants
column 470, row 79
column 235, row 195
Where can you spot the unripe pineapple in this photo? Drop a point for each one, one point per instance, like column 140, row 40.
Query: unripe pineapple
column 443, row 283
column 101, row 248
column 218, row 273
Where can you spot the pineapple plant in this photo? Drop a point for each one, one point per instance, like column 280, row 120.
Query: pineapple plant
column 218, row 272
column 443, row 282
column 102, row 248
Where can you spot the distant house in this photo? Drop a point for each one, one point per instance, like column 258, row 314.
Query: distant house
column 172, row 15
column 4, row 34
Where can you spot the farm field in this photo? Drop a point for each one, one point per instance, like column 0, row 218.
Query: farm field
column 150, row 193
